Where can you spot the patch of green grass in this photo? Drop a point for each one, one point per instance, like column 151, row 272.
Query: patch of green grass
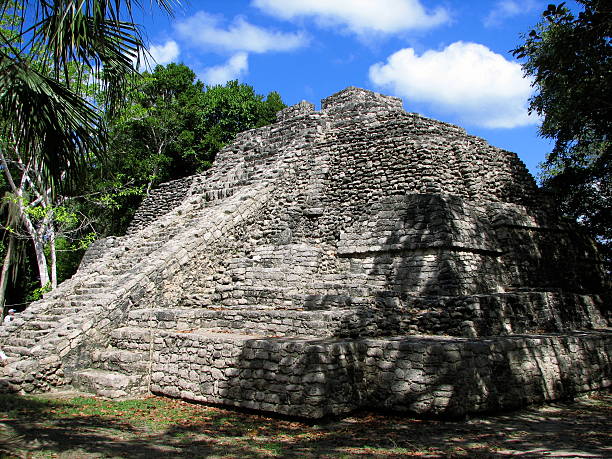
column 379, row 450
column 223, row 421
column 275, row 448
column 154, row 412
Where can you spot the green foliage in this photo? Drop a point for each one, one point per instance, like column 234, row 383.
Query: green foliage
column 85, row 241
column 70, row 252
column 233, row 108
column 44, row 113
column 155, row 138
column 10, row 22
column 271, row 106
column 173, row 126
column 61, row 215
column 37, row 293
column 570, row 59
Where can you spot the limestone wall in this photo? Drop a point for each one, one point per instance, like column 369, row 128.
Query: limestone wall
column 427, row 375
column 373, row 210
column 160, row 201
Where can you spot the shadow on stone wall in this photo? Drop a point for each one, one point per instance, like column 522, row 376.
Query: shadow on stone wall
column 445, row 268
column 427, row 375
column 431, row 280
column 435, row 251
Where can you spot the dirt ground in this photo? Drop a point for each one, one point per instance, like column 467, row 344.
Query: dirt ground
column 73, row 427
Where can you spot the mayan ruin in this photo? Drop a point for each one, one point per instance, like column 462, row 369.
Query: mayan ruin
column 358, row 256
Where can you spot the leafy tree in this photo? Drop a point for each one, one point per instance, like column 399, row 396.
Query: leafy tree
column 270, row 107
column 156, row 138
column 43, row 113
column 231, row 109
column 49, row 129
column 35, row 213
column 570, row 59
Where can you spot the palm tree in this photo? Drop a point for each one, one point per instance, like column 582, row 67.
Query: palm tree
column 41, row 109
column 49, row 49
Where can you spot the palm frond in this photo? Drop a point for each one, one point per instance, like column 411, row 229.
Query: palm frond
column 39, row 104
column 89, row 32
column 108, row 48
column 46, row 119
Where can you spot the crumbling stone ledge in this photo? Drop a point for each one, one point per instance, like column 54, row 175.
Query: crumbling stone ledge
column 437, row 375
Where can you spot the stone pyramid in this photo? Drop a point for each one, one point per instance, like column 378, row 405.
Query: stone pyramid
column 356, row 256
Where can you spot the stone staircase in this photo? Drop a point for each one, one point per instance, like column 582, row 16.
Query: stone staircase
column 101, row 293
column 225, row 320
column 122, row 369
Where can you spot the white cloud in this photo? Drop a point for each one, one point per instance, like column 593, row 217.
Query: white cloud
column 166, row 53
column 466, row 80
column 236, row 66
column 505, row 9
column 207, row 30
column 359, row 16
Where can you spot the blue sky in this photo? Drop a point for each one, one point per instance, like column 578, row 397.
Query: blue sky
column 447, row 59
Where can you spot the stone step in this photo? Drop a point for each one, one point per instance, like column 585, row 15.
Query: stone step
column 59, row 318
column 82, row 301
column 235, row 337
column 38, row 324
column 81, row 298
column 97, row 280
column 124, row 361
column 109, row 384
column 14, row 351
column 90, row 290
column 51, row 304
column 7, row 361
column 132, row 338
column 23, row 342
column 148, row 245
column 33, row 334
column 60, row 311
column 119, row 267
column 211, row 301
column 152, row 244
column 270, row 322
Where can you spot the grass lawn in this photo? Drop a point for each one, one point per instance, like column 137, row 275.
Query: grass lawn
column 72, row 426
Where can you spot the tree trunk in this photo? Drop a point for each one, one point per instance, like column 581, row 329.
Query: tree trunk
column 4, row 274
column 41, row 260
column 53, row 257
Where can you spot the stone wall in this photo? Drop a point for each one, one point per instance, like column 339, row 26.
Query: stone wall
column 427, row 375
column 394, row 218
column 160, row 201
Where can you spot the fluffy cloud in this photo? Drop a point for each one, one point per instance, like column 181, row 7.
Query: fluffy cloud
column 466, row 80
column 235, row 67
column 207, row 30
column 166, row 53
column 505, row 9
column 359, row 16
